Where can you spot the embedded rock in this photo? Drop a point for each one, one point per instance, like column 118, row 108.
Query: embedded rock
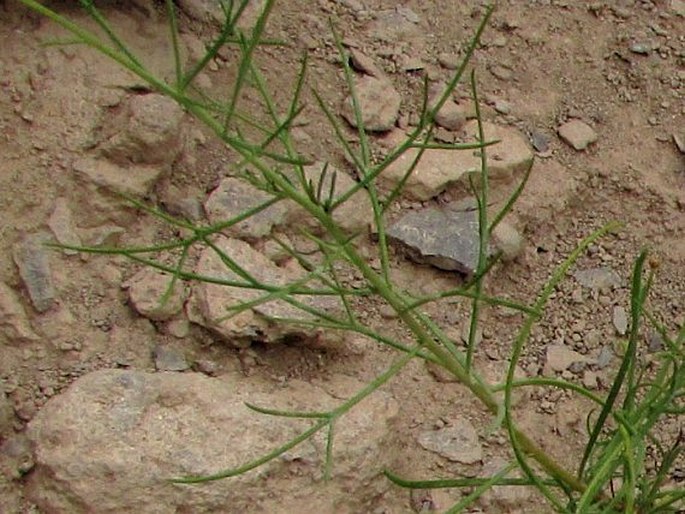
column 101, row 186
column 560, row 358
column 147, row 132
column 457, row 442
column 6, row 416
column 439, row 169
column 379, row 103
column 599, row 279
column 501, row 498
column 62, row 225
column 14, row 324
column 210, row 304
column 111, row 442
column 150, row 294
column 619, row 318
column 233, row 197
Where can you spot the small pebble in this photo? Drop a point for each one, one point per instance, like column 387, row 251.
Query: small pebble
column 577, row 134
column 620, row 319
column 640, row 48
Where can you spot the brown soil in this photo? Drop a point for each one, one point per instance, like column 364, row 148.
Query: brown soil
column 562, row 60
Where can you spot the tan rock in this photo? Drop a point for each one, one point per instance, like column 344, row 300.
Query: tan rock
column 379, row 103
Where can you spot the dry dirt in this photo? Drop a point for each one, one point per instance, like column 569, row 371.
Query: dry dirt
column 542, row 63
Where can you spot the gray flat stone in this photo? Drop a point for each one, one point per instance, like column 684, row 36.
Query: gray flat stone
column 31, row 257
column 442, row 238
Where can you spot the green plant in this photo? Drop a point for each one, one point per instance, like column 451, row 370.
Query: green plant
column 611, row 476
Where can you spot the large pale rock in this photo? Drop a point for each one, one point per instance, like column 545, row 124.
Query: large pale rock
column 110, row 443
column 210, row 303
column 379, row 103
column 439, row 169
column 146, row 131
column 233, row 197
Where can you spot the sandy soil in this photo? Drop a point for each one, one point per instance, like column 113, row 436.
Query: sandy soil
column 618, row 66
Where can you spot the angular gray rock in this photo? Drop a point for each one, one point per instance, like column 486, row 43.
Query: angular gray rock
column 32, row 259
column 379, row 103
column 444, row 238
column 577, row 134
column 457, row 442
column 148, row 291
column 210, row 303
column 147, row 131
column 233, row 197
column 110, row 442
column 14, row 323
column 439, row 169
